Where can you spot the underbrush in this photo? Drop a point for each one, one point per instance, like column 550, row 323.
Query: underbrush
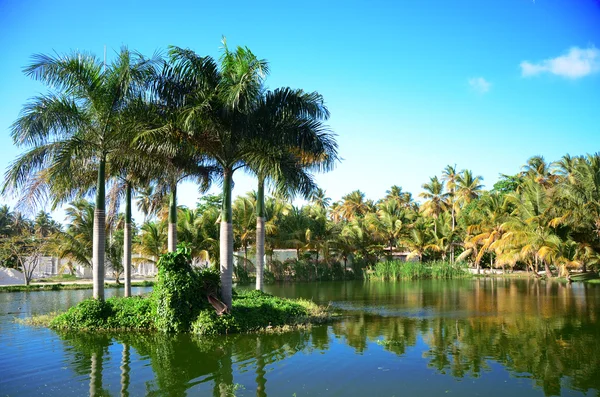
column 133, row 313
column 257, row 311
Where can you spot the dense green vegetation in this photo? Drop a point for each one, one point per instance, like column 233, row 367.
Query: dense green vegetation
column 400, row 270
column 179, row 304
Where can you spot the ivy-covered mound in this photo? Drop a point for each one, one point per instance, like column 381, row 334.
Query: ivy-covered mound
column 179, row 303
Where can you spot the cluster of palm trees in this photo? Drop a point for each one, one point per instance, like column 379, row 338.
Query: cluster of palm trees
column 546, row 216
column 152, row 122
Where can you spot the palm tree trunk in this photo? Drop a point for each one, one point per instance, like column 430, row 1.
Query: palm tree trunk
column 260, row 233
column 226, row 240
column 453, row 226
column 125, row 370
column 547, row 268
column 127, row 242
column 172, row 244
column 261, row 380
column 99, row 235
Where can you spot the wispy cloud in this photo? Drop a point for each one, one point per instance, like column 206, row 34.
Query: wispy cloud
column 480, row 85
column 576, row 63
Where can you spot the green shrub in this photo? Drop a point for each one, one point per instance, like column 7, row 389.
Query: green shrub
column 134, row 312
column 88, row 314
column 115, row 313
column 181, row 291
column 252, row 310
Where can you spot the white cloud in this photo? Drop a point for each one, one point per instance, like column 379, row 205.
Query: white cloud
column 576, row 63
column 480, row 85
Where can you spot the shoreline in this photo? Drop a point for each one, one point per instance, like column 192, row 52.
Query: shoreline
column 70, row 285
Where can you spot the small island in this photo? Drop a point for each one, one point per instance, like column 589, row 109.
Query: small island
column 184, row 299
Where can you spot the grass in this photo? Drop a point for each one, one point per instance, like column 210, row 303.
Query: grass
column 255, row 311
column 58, row 278
column 60, row 286
column 400, row 270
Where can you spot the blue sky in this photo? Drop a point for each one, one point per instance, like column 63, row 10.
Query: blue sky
column 412, row 86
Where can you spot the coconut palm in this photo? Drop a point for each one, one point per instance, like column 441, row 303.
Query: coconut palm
column 404, row 198
column 437, row 199
column 6, row 221
column 354, row 205
column 450, row 176
column 76, row 124
column 540, row 171
column 152, row 241
column 468, row 187
column 390, row 222
column 319, row 198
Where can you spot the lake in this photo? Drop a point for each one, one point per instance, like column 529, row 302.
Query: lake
column 475, row 337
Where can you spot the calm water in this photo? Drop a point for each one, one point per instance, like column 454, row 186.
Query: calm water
column 428, row 338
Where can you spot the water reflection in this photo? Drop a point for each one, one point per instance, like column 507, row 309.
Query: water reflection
column 545, row 332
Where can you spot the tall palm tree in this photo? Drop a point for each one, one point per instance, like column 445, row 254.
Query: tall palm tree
column 468, row 187
column 450, row 176
column 320, row 199
column 298, row 115
column 76, row 124
column 354, row 205
column 540, row 171
column 437, row 199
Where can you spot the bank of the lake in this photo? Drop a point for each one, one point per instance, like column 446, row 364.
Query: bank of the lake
column 71, row 285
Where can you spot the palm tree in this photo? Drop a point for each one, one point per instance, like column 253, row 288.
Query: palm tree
column 540, row 171
column 298, row 115
column 152, row 241
column 390, row 222
column 354, row 205
column 437, row 199
column 403, row 198
column 74, row 125
column 319, row 198
column 418, row 240
column 468, row 187
column 76, row 242
column 244, row 223
column 488, row 228
column 450, row 176
column 6, row 221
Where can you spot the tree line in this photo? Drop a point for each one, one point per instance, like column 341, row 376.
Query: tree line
column 545, row 217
